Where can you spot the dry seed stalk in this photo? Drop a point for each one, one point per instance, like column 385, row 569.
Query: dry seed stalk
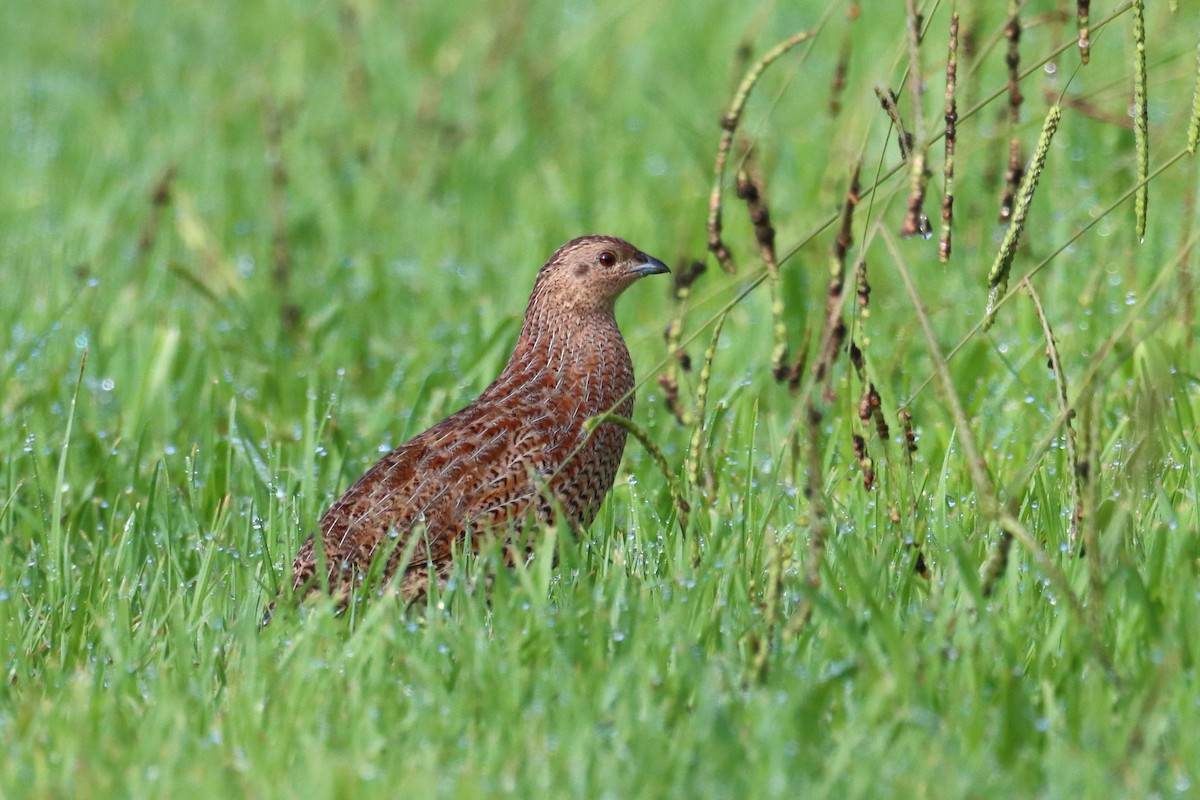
column 1082, row 8
column 281, row 248
column 910, row 436
column 796, row 370
column 814, row 492
column 669, row 380
column 838, row 84
column 864, row 460
column 729, row 124
column 685, row 276
column 674, row 336
column 951, row 116
column 750, row 189
column 1054, row 254
column 1141, row 123
column 872, row 403
column 870, row 410
column 915, row 221
column 993, row 569
column 998, row 277
column 862, row 286
column 350, row 28
column 1014, row 173
column 160, row 198
column 670, row 387
column 904, row 139
column 833, row 330
column 1012, row 59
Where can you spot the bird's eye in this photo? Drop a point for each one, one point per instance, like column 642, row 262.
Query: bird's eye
column 607, row 259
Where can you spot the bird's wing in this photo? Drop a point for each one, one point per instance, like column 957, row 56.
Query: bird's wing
column 403, row 490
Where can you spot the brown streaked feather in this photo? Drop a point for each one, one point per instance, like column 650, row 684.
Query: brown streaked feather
column 488, row 467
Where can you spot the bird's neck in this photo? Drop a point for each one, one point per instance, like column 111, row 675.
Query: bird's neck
column 580, row 354
column 569, row 333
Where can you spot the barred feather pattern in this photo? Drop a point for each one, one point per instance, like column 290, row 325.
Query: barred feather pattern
column 519, row 452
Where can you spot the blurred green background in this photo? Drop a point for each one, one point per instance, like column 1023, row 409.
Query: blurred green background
column 288, row 236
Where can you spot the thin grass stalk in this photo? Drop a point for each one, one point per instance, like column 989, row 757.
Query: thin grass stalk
column 656, row 454
column 762, row 650
column 160, row 198
column 979, row 326
column 696, row 444
column 1064, row 405
column 729, row 124
column 974, row 109
column 814, row 492
column 1097, row 366
column 1193, row 135
column 60, row 547
column 998, row 276
column 1141, row 119
column 904, row 139
column 1088, row 472
column 951, row 138
column 984, row 488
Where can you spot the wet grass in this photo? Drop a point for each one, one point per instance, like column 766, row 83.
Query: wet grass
column 247, row 249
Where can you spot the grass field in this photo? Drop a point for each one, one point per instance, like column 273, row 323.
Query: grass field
column 247, row 247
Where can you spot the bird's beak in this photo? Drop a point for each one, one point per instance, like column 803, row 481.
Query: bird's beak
column 651, row 266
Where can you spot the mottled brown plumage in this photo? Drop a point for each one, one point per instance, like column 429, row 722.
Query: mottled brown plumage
column 490, row 467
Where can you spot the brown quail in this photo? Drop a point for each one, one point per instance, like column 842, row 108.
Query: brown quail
column 520, row 452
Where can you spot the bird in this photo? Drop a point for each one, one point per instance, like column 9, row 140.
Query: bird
column 520, row 452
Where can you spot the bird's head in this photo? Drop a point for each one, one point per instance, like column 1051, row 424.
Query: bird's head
column 589, row 273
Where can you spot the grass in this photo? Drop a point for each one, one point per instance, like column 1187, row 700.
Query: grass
column 356, row 199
